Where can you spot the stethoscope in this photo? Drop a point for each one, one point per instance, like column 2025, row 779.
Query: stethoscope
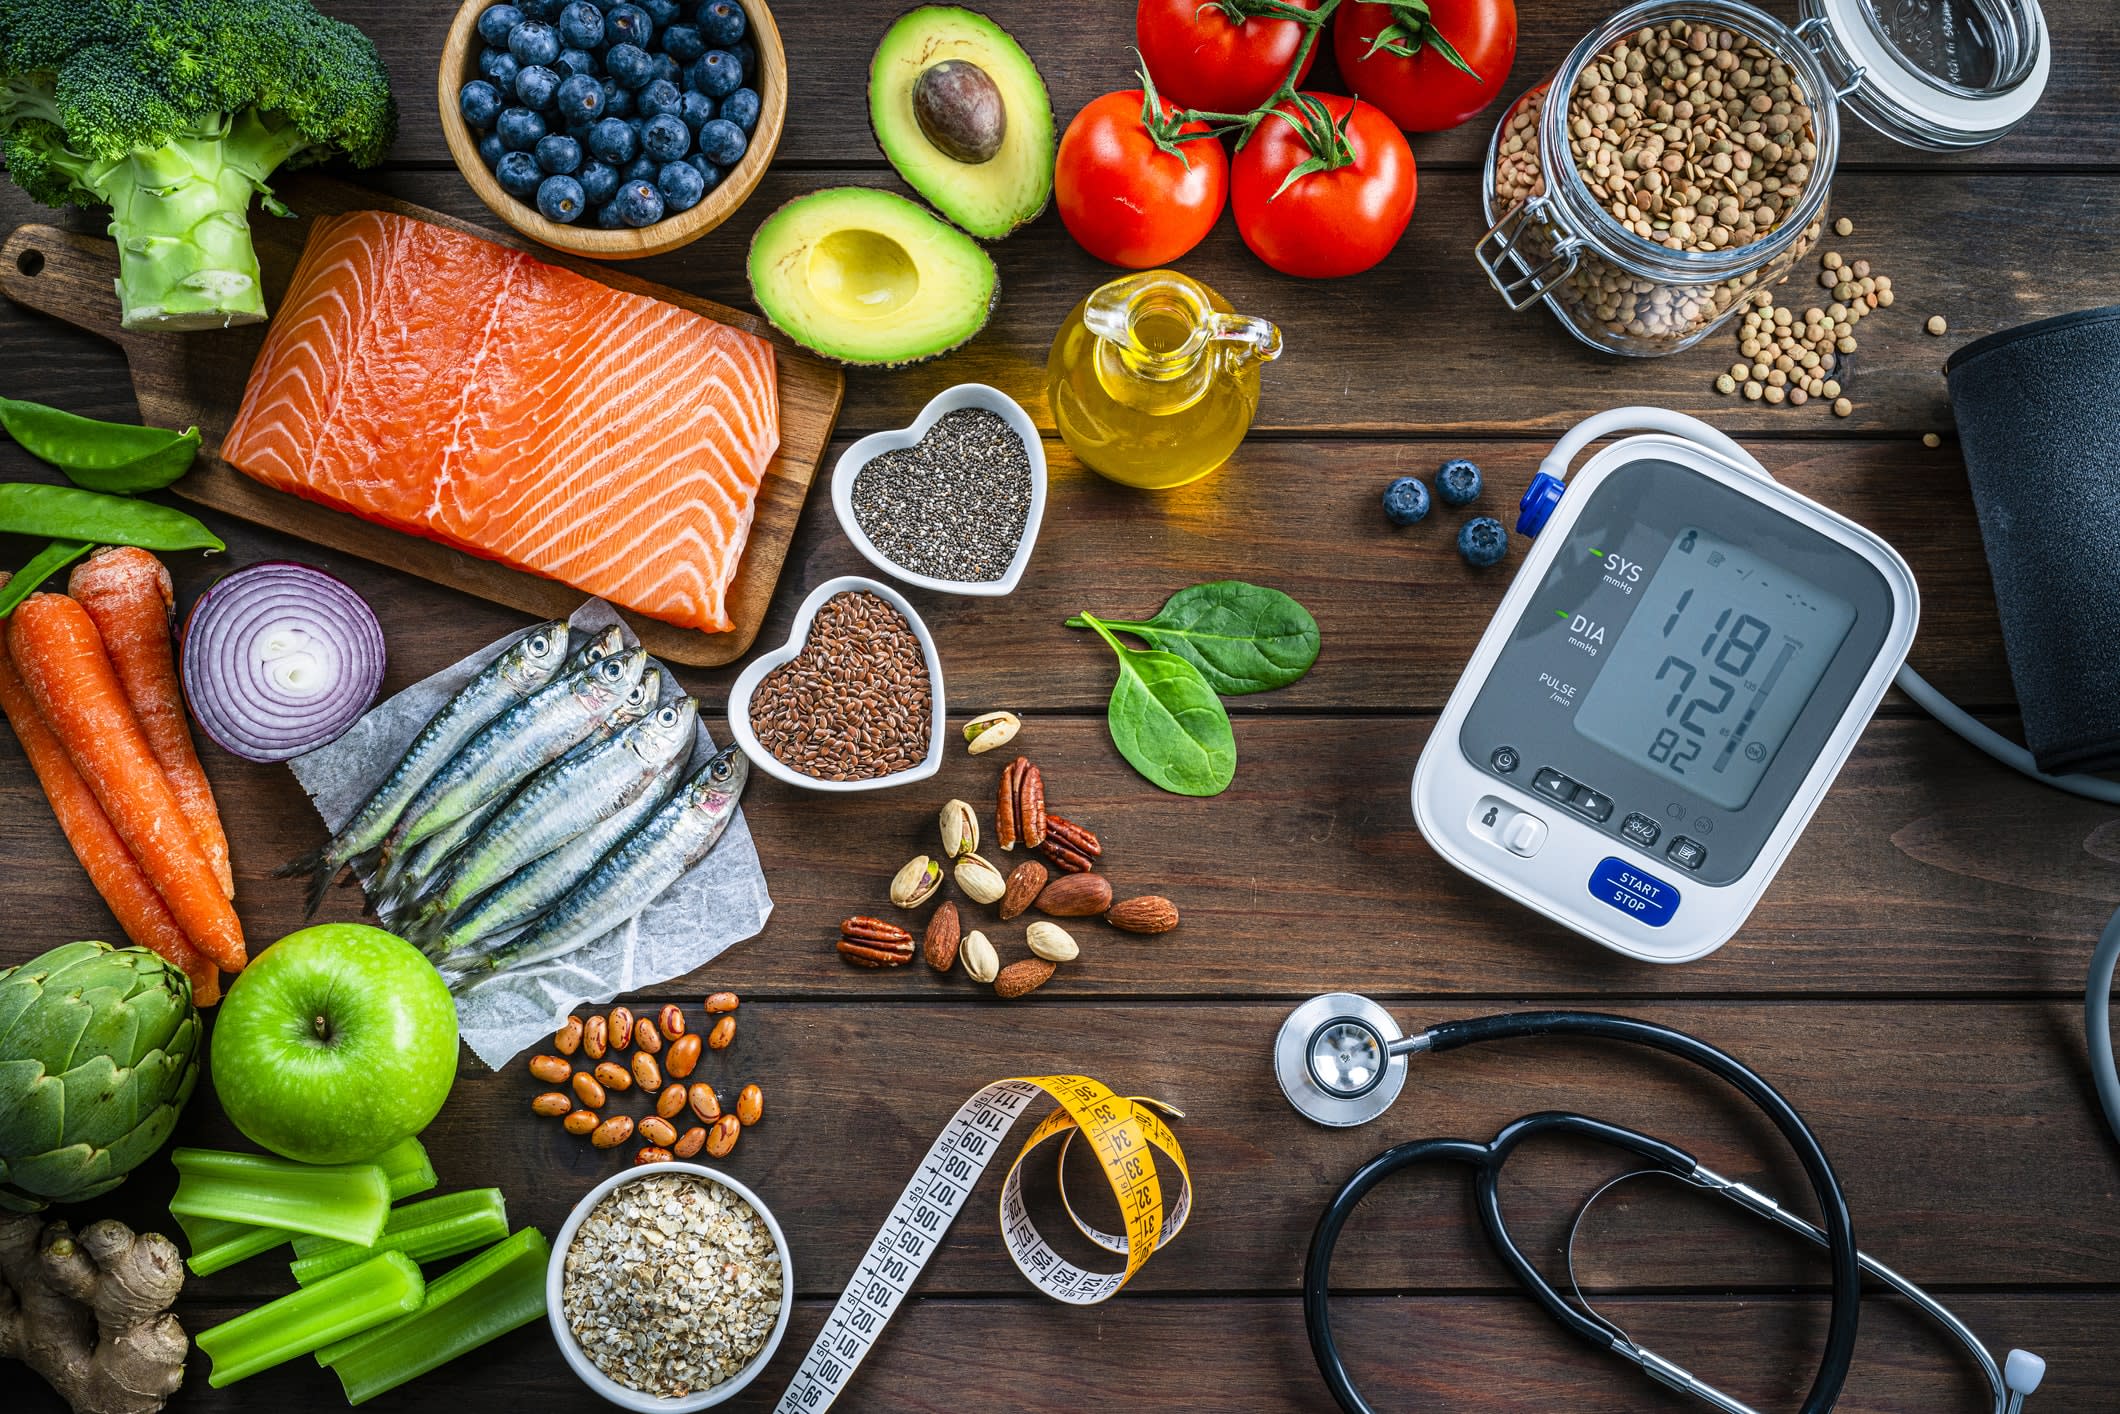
column 1341, row 1061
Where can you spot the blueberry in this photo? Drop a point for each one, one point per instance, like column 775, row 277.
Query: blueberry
column 618, row 99
column 613, row 141
column 638, row 203
column 641, row 169
column 746, row 56
column 576, row 61
column 683, row 43
column 695, row 109
column 717, row 74
column 722, row 22
column 499, row 68
column 662, row 66
column 559, row 155
column 1406, row 501
column 658, row 98
column 681, row 186
column 495, row 22
column 582, row 25
column 519, row 174
column 629, row 24
column 520, row 129
column 579, row 100
column 1457, row 482
column 1483, row 542
column 666, row 138
column 560, row 199
column 723, row 142
column 539, row 9
column 662, row 12
column 708, row 172
column 741, row 108
column 607, row 217
column 536, row 85
column 629, row 64
column 491, row 149
column 599, row 180
column 533, row 42
column 479, row 102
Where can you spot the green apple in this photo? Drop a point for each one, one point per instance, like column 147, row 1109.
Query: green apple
column 335, row 1043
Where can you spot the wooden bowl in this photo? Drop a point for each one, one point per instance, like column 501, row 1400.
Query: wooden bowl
column 460, row 65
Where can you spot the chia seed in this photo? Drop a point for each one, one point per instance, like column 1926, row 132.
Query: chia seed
column 952, row 506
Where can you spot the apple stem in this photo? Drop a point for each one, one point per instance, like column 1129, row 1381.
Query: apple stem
column 322, row 1028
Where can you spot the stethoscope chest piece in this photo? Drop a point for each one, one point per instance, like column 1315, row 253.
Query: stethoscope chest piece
column 1333, row 1059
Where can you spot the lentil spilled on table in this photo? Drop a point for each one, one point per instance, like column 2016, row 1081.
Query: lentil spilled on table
column 854, row 704
column 954, row 505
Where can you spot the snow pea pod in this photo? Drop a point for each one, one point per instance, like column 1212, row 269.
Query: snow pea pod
column 102, row 456
column 48, row 562
column 67, row 513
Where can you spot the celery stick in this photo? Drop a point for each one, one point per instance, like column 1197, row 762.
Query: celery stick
column 378, row 1290
column 408, row 1168
column 484, row 1298
column 423, row 1231
column 346, row 1201
column 217, row 1243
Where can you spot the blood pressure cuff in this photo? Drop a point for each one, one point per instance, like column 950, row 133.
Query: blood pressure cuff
column 2038, row 411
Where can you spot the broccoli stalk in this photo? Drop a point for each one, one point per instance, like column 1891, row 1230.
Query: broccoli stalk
column 172, row 113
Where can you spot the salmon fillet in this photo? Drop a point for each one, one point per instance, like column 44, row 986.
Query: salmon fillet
column 446, row 386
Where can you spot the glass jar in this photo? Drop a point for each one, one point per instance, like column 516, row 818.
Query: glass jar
column 1926, row 73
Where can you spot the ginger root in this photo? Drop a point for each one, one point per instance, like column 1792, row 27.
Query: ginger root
column 90, row 1312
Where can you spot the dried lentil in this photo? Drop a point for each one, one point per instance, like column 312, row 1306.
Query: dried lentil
column 854, row 704
column 1937, row 324
column 953, row 506
column 672, row 1285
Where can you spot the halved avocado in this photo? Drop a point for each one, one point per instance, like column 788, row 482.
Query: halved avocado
column 866, row 276
column 963, row 114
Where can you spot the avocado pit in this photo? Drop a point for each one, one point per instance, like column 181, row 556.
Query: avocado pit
column 959, row 109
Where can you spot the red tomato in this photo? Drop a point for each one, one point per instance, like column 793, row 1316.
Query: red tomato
column 1425, row 92
column 1202, row 59
column 1335, row 222
column 1125, row 199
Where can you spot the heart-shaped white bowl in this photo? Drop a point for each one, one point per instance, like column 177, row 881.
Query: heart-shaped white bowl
column 747, row 683
column 964, row 395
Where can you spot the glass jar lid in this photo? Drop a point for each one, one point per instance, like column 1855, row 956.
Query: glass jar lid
column 1937, row 74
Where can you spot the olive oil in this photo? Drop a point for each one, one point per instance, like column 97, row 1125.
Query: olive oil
column 1154, row 379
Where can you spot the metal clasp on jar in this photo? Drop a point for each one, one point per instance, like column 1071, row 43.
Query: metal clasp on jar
column 1505, row 240
column 1816, row 34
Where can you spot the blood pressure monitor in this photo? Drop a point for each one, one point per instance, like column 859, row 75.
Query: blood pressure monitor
column 1675, row 676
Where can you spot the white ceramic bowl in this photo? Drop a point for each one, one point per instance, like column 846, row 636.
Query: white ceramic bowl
column 747, row 683
column 964, row 395
column 597, row 1380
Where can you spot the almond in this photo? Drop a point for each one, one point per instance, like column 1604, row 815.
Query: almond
column 939, row 947
column 1024, row 883
column 1076, row 896
column 1150, row 913
column 1020, row 979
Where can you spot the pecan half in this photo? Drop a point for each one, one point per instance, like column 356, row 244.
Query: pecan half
column 1031, row 820
column 871, row 942
column 1005, row 804
column 1076, row 837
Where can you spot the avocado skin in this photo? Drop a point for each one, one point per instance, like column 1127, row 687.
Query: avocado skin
column 780, row 301
column 1032, row 132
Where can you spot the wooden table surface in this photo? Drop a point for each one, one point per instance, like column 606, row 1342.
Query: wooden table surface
column 1912, row 979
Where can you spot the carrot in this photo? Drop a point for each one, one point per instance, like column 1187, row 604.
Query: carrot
column 110, row 865
column 128, row 595
column 70, row 678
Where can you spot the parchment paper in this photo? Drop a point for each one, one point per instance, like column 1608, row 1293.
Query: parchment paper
column 719, row 901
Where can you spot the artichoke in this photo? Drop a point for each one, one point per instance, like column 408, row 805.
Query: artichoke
column 99, row 1050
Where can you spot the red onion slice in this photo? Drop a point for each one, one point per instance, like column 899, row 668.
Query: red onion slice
column 279, row 659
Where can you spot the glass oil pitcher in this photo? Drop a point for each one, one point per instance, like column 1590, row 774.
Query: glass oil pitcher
column 1154, row 379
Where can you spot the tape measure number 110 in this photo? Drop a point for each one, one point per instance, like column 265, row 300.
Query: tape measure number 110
column 1121, row 1132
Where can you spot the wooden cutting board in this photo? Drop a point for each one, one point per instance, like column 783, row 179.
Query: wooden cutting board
column 182, row 379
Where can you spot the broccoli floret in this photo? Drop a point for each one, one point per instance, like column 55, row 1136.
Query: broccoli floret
column 173, row 113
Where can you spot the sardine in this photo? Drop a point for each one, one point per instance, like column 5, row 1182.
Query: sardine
column 533, row 733
column 596, row 648
column 563, row 800
column 408, row 877
column 532, row 890
column 532, row 663
column 628, row 879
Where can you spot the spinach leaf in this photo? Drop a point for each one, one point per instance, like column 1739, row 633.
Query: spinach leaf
column 1242, row 637
column 1167, row 722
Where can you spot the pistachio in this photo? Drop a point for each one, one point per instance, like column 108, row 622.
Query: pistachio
column 1051, row 942
column 981, row 881
column 981, row 962
column 960, row 829
column 916, row 883
column 992, row 730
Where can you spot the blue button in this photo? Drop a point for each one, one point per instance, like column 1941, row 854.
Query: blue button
column 1642, row 896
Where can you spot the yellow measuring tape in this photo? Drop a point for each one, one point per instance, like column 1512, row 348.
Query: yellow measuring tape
column 1123, row 1132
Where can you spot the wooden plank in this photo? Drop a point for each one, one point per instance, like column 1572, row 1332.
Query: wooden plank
column 198, row 379
column 829, row 47
column 1209, row 1355
column 1929, row 870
